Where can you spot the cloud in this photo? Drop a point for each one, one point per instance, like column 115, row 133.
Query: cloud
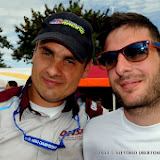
column 13, row 12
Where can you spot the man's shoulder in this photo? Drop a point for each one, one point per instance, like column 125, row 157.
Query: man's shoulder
column 103, row 125
column 112, row 116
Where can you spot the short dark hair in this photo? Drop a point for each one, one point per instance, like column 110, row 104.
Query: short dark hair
column 132, row 20
column 12, row 83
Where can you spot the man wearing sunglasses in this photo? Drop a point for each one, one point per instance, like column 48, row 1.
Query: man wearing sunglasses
column 132, row 59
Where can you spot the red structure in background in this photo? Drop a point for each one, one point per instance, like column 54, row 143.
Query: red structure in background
column 96, row 78
column 97, row 87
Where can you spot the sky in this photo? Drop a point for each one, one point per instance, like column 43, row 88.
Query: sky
column 12, row 13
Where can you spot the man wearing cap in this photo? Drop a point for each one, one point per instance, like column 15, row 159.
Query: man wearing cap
column 44, row 120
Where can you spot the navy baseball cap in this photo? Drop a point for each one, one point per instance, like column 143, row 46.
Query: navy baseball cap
column 70, row 30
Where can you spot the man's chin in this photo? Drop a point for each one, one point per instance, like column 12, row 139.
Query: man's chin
column 132, row 107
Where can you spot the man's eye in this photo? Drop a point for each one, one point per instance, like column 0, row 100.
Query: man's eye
column 69, row 61
column 47, row 53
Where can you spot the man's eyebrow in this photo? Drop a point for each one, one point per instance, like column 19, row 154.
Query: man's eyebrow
column 51, row 52
column 70, row 57
column 46, row 49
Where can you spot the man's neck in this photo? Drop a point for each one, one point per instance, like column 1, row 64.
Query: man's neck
column 37, row 99
column 144, row 116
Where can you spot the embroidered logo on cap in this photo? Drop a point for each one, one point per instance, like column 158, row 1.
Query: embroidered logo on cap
column 56, row 21
column 68, row 23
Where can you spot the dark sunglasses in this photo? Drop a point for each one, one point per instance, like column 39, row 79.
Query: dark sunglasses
column 134, row 52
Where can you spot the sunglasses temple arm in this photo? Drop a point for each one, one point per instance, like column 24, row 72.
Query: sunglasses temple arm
column 156, row 44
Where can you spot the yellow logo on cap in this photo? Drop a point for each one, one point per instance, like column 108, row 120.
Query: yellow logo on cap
column 68, row 23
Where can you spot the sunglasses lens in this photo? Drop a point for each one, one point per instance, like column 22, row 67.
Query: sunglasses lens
column 108, row 59
column 136, row 52
column 101, row 62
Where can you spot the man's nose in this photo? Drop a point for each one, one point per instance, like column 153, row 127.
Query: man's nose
column 55, row 68
column 123, row 65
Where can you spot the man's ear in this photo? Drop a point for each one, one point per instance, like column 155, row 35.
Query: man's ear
column 87, row 68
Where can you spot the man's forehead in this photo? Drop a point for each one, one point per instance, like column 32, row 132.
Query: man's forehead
column 124, row 36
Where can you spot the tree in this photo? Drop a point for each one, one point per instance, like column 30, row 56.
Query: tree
column 3, row 44
column 28, row 31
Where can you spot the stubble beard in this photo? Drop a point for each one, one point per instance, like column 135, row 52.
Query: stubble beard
column 147, row 101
